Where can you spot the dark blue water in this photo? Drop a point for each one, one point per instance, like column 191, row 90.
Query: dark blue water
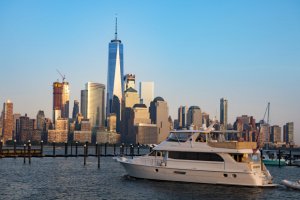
column 68, row 178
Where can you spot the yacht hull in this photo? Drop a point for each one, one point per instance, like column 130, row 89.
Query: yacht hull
column 165, row 173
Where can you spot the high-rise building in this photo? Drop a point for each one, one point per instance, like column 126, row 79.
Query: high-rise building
column 92, row 103
column 275, row 135
column 146, row 92
column 129, row 81
column 61, row 97
column 194, row 117
column 115, row 74
column 182, row 117
column 223, row 112
column 40, row 120
column 75, row 109
column 205, row 119
column 7, row 121
column 159, row 115
column 288, row 133
column 16, row 116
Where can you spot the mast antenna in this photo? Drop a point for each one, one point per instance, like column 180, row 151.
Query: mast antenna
column 116, row 28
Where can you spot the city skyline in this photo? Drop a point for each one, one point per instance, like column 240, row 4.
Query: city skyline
column 245, row 52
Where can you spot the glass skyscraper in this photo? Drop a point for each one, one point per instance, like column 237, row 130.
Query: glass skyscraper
column 115, row 74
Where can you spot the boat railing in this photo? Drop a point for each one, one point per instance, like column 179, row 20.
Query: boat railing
column 233, row 145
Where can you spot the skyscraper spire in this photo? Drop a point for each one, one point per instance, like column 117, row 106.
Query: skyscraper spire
column 116, row 29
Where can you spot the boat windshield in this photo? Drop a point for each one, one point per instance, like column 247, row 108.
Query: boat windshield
column 178, row 137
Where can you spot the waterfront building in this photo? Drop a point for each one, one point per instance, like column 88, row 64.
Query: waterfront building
column 7, row 121
column 275, row 135
column 129, row 81
column 264, row 134
column 288, row 133
column 75, row 109
column 115, row 74
column 146, row 92
column 182, row 117
column 60, row 133
column 223, row 113
column 109, row 137
column 194, row 117
column 40, row 120
column 92, row 104
column 159, row 115
column 85, row 133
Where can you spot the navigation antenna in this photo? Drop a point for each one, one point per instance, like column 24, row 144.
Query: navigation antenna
column 116, row 28
column 62, row 76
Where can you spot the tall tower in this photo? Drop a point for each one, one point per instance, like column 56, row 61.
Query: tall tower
column 146, row 92
column 223, row 112
column 194, row 117
column 92, row 103
column 181, row 117
column 7, row 123
column 40, row 120
column 75, row 109
column 65, row 100
column 57, row 100
column 115, row 74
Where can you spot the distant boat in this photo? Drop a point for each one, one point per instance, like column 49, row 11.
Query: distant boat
column 270, row 158
column 291, row 184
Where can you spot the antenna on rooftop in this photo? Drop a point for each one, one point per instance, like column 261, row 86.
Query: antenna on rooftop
column 116, row 27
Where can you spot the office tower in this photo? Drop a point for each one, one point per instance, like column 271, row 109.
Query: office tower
column 205, row 119
column 146, row 92
column 92, row 104
column 40, row 120
column 129, row 81
column 65, row 100
column 83, row 103
column 246, row 127
column 115, row 74
column 194, row 117
column 288, row 133
column 16, row 116
column 275, row 135
column 159, row 115
column 7, row 121
column 182, row 117
column 61, row 95
column 75, row 109
column 223, row 113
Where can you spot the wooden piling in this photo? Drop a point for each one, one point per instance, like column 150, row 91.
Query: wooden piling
column 138, row 150
column 42, row 148
column 279, row 156
column 84, row 154
column 24, row 153
column 76, row 148
column 105, row 149
column 96, row 149
column 114, row 149
column 15, row 148
column 98, row 154
column 66, row 149
column 29, row 152
column 53, row 144
column 87, row 147
column 290, row 157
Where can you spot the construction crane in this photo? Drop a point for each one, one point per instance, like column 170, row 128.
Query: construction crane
column 62, row 76
column 267, row 109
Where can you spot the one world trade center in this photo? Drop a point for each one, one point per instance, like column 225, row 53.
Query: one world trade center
column 115, row 83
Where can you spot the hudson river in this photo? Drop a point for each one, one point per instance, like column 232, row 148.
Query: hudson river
column 68, row 178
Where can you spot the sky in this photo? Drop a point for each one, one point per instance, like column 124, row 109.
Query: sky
column 195, row 52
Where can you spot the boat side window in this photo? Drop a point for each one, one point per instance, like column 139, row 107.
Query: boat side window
column 178, row 137
column 237, row 157
column 195, row 156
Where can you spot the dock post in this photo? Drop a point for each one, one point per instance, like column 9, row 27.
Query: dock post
column 15, row 147
column 96, row 149
column 131, row 150
column 76, row 148
column 290, row 157
column 98, row 154
column 138, row 150
column 114, row 149
column 29, row 151
column 24, row 153
column 84, row 154
column 105, row 148
column 66, row 149
column 279, row 156
column 42, row 147
column 87, row 148
column 53, row 144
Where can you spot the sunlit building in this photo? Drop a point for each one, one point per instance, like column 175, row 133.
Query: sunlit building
column 146, row 92
column 223, row 113
column 194, row 117
column 7, row 121
column 115, row 74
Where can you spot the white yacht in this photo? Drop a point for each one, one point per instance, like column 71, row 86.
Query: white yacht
column 201, row 157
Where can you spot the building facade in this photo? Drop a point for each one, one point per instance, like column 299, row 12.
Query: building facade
column 182, row 117
column 7, row 121
column 146, row 92
column 194, row 117
column 223, row 113
column 115, row 82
